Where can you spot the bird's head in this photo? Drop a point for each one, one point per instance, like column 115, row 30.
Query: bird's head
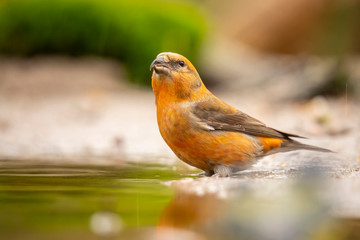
column 174, row 77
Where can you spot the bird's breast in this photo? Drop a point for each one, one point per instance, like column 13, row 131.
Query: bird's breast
column 174, row 123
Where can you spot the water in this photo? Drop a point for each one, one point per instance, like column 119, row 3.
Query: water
column 41, row 200
column 155, row 201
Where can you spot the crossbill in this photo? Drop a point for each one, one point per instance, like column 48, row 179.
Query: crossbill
column 204, row 131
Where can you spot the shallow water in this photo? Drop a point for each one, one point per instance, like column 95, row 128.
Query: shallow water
column 42, row 200
column 155, row 201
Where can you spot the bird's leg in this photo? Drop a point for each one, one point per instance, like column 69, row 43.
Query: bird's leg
column 222, row 171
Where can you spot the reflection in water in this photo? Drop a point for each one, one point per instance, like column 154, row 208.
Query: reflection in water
column 41, row 201
column 296, row 209
column 186, row 209
column 154, row 202
column 189, row 212
column 106, row 224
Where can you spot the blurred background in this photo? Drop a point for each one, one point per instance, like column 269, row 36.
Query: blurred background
column 75, row 79
column 75, row 90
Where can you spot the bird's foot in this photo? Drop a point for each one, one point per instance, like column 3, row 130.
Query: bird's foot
column 222, row 171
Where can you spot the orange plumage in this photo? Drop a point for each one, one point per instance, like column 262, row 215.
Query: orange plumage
column 204, row 131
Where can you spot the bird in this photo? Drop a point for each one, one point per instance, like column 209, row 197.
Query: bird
column 204, row 131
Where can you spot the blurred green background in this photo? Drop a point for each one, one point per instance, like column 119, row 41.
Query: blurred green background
column 132, row 31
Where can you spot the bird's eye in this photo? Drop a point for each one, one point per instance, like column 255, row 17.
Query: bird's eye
column 182, row 63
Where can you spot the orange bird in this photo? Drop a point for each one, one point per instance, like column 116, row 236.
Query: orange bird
column 204, row 131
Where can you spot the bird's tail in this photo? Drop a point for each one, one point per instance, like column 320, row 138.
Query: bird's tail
column 292, row 145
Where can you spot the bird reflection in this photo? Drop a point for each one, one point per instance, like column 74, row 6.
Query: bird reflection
column 188, row 213
column 218, row 208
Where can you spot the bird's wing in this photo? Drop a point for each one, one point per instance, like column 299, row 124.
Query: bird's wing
column 222, row 117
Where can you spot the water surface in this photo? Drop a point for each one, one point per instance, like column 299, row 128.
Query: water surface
column 42, row 200
column 159, row 201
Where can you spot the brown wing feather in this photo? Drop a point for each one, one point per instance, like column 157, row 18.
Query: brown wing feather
column 225, row 118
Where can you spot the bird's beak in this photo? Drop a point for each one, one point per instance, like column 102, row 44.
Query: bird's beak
column 153, row 64
column 159, row 65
